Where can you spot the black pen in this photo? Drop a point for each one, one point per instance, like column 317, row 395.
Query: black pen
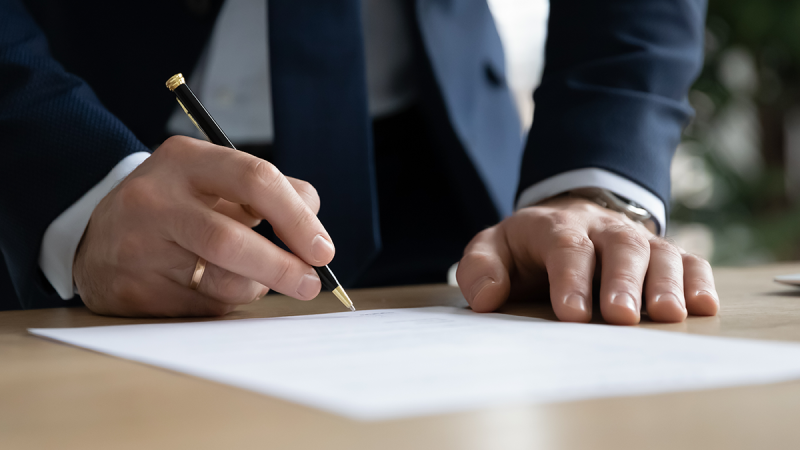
column 206, row 124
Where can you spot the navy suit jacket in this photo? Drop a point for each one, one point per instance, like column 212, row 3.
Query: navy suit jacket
column 81, row 87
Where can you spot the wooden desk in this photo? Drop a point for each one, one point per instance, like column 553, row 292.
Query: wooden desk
column 57, row 396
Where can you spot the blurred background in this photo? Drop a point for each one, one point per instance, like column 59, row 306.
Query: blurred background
column 736, row 176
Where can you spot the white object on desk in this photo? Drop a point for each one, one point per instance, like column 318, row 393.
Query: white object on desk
column 387, row 364
column 792, row 279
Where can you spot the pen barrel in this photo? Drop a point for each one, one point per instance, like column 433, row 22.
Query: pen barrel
column 201, row 117
column 328, row 279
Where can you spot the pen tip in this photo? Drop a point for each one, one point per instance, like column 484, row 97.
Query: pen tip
column 342, row 296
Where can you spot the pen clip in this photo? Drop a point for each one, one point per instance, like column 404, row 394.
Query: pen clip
column 192, row 119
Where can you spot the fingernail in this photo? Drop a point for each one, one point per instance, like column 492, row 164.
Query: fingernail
column 576, row 302
column 309, row 286
column 626, row 301
column 670, row 298
column 479, row 286
column 321, row 249
column 699, row 293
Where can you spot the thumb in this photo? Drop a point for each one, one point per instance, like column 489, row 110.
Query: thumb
column 483, row 272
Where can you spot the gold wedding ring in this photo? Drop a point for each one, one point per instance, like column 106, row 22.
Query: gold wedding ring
column 199, row 270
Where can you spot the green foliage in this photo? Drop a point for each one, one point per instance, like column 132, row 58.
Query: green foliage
column 770, row 30
column 750, row 216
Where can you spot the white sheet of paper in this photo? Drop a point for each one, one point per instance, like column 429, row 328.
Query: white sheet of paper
column 386, row 364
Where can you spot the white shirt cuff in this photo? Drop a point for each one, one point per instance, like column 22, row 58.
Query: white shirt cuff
column 600, row 178
column 60, row 241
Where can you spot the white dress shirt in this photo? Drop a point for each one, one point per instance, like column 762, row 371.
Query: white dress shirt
column 242, row 104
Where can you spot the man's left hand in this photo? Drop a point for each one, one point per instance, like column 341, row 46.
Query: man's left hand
column 564, row 242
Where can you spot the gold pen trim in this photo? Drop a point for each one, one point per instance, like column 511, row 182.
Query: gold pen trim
column 342, row 296
column 175, row 81
column 192, row 119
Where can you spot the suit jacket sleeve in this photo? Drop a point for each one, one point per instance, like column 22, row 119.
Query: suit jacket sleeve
column 614, row 89
column 57, row 141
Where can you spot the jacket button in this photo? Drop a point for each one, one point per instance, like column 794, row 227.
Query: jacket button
column 492, row 75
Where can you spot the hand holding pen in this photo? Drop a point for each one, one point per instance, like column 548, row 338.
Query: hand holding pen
column 140, row 249
column 208, row 126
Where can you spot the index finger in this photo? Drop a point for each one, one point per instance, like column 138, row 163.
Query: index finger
column 247, row 180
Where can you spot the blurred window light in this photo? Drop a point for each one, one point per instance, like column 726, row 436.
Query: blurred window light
column 737, row 71
column 703, row 105
column 735, row 137
column 692, row 182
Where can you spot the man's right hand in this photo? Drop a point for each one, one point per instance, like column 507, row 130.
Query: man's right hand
column 143, row 240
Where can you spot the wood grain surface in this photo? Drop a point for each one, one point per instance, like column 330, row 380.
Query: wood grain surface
column 57, row 396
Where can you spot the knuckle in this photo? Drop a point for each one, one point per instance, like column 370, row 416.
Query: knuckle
column 573, row 241
column 306, row 189
column 562, row 218
column 174, row 141
column 173, row 147
column 661, row 245
column 223, row 243
column 609, row 221
column 626, row 236
column 586, row 207
column 530, row 213
column 555, row 222
column 540, row 220
column 303, row 218
column 258, row 172
column 137, row 193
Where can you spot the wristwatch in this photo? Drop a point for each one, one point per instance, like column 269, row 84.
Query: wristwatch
column 614, row 202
